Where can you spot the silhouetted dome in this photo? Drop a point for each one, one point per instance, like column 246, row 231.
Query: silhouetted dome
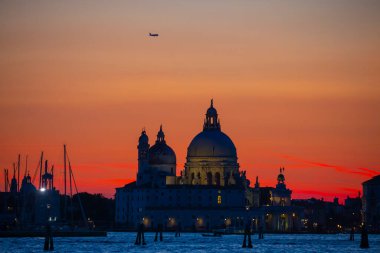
column 211, row 144
column 281, row 177
column 160, row 153
column 26, row 186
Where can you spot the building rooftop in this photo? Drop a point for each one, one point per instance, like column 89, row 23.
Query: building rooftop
column 373, row 181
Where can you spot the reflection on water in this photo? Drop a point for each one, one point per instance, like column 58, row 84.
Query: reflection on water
column 123, row 242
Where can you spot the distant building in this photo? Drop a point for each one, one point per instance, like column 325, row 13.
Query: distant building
column 371, row 203
column 211, row 191
column 326, row 216
column 320, row 215
column 353, row 211
column 29, row 208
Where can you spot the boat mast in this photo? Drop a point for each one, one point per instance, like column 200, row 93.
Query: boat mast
column 71, row 177
column 71, row 198
column 41, row 162
column 18, row 173
column 52, row 177
column 6, row 180
column 26, row 166
column 64, row 182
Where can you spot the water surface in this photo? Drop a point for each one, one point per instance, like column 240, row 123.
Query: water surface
column 189, row 242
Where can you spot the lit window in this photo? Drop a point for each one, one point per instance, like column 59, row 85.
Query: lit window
column 219, row 199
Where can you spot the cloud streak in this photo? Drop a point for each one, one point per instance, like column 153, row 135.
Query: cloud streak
column 365, row 172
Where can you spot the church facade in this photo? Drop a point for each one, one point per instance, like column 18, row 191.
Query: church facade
column 210, row 193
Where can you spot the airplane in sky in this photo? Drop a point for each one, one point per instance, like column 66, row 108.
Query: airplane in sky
column 153, row 34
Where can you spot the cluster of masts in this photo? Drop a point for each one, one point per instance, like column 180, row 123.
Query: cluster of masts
column 46, row 175
column 46, row 178
column 14, row 185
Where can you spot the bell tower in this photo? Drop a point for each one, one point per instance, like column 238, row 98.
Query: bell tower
column 143, row 155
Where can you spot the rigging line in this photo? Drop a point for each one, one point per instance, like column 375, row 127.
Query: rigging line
column 36, row 171
column 76, row 189
column 79, row 200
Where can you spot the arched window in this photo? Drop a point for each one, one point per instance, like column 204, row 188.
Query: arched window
column 209, row 178
column 217, row 178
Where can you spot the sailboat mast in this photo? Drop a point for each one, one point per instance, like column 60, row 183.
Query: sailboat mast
column 5, row 180
column 64, row 182
column 26, row 166
column 18, row 173
column 41, row 164
column 71, row 196
column 52, row 177
column 14, row 170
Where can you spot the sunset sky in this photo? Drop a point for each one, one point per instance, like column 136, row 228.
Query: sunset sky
column 296, row 84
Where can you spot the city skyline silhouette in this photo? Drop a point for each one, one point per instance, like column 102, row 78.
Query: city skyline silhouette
column 295, row 84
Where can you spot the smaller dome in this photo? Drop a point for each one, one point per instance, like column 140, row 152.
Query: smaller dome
column 27, row 187
column 160, row 153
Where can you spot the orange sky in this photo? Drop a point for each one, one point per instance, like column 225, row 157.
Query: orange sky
column 296, row 84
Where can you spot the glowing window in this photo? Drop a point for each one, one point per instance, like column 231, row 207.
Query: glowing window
column 219, row 199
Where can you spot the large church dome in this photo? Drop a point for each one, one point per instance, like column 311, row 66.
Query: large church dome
column 211, row 142
column 160, row 152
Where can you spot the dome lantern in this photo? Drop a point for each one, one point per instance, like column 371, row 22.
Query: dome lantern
column 281, row 177
column 211, row 142
column 160, row 153
column 211, row 121
column 160, row 136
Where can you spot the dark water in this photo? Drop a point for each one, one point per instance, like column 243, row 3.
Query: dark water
column 124, row 242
